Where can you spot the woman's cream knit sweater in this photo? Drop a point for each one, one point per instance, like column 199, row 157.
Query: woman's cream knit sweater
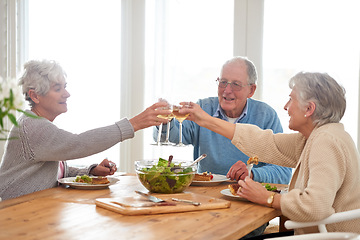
column 326, row 178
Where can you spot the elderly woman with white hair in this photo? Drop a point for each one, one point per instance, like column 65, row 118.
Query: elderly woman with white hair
column 327, row 165
column 37, row 151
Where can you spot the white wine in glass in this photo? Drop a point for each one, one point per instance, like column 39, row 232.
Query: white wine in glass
column 168, row 117
column 167, row 142
column 180, row 118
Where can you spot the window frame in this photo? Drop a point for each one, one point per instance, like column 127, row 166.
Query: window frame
column 248, row 32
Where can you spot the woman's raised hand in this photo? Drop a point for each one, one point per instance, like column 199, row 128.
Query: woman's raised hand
column 148, row 118
column 203, row 119
column 197, row 114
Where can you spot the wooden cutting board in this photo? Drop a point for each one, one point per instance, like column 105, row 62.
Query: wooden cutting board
column 137, row 205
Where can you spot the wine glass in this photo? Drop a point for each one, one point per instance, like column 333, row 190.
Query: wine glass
column 167, row 142
column 180, row 118
column 169, row 117
column 158, row 143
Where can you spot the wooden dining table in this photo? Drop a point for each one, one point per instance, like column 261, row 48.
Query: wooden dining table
column 67, row 213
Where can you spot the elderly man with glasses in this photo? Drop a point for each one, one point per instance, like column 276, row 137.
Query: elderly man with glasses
column 236, row 86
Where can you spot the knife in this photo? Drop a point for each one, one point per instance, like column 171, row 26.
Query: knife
column 155, row 199
column 141, row 205
column 187, row 201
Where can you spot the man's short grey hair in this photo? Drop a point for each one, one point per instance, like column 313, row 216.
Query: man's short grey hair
column 39, row 76
column 324, row 91
column 251, row 69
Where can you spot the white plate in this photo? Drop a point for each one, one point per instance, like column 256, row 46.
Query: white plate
column 227, row 193
column 217, row 179
column 118, row 174
column 71, row 182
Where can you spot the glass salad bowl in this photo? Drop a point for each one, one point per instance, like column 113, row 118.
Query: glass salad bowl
column 157, row 177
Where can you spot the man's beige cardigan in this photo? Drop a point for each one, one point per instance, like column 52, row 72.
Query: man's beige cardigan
column 326, row 178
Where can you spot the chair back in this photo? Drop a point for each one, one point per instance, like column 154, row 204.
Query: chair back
column 336, row 217
column 321, row 236
column 324, row 234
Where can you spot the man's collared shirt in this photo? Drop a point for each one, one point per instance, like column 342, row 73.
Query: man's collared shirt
column 219, row 113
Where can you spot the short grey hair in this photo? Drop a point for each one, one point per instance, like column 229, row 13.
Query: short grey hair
column 39, row 76
column 250, row 66
column 324, row 91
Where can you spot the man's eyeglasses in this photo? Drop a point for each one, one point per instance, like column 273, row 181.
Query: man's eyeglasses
column 236, row 86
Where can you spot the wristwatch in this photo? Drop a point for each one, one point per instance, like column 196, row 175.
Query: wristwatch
column 270, row 199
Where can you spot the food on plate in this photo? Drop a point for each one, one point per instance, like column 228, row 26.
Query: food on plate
column 234, row 188
column 270, row 188
column 253, row 160
column 205, row 176
column 100, row 180
column 92, row 180
column 164, row 176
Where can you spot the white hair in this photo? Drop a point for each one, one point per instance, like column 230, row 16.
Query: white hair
column 39, row 75
column 324, row 91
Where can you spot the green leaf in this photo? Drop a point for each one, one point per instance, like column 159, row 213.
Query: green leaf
column 11, row 98
column 13, row 119
column 27, row 114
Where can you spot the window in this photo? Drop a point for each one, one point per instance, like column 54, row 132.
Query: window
column 84, row 36
column 312, row 36
column 183, row 51
column 186, row 44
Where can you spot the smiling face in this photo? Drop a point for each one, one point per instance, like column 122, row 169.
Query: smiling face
column 297, row 114
column 53, row 103
column 233, row 102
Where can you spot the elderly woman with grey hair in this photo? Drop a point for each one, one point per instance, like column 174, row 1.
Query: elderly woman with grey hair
column 327, row 167
column 36, row 154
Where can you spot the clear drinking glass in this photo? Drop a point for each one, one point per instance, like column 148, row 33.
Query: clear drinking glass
column 180, row 118
column 167, row 142
column 169, row 117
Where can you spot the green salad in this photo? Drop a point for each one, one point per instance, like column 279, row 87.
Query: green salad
column 83, row 179
column 270, row 188
column 165, row 177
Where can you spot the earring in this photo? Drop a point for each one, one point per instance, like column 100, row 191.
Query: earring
column 305, row 115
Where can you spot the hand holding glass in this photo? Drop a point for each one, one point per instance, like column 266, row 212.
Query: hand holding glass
column 180, row 117
column 168, row 117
